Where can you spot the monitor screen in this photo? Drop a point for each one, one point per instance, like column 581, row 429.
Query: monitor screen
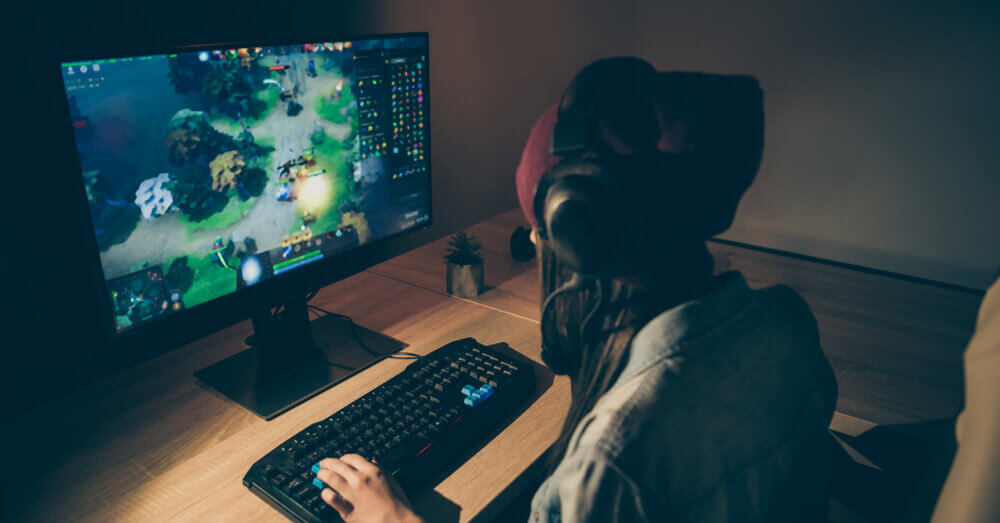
column 210, row 170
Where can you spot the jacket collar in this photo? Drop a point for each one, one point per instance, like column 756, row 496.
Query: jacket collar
column 674, row 329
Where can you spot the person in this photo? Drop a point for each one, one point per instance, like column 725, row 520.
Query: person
column 694, row 398
column 970, row 491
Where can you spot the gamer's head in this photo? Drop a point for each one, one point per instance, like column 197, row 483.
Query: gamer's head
column 630, row 173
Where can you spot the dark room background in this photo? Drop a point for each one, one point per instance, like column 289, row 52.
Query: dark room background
column 881, row 126
column 881, row 145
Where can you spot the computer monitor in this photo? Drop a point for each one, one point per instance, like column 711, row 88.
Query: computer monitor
column 227, row 181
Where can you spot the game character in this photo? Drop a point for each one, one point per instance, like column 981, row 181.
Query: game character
column 285, row 193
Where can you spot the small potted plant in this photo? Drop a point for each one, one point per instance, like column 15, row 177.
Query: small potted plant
column 465, row 266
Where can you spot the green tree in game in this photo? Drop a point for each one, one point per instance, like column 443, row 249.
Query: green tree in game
column 228, row 83
column 187, row 73
column 317, row 137
column 191, row 137
column 254, row 180
column 195, row 200
column 180, row 275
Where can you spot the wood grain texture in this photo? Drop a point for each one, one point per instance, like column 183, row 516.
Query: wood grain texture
column 150, row 444
column 512, row 287
column 896, row 345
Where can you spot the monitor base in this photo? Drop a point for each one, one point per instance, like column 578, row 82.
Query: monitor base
column 272, row 378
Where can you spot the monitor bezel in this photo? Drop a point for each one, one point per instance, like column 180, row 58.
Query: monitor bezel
column 148, row 340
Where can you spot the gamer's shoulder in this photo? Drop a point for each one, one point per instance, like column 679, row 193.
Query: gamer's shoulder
column 786, row 305
column 623, row 414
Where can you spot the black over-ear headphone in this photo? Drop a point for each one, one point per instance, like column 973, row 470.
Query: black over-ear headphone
column 581, row 205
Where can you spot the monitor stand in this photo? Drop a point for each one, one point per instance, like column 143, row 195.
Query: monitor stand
column 291, row 359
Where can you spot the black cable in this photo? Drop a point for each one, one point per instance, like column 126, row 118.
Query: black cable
column 576, row 283
column 331, row 363
column 598, row 305
column 357, row 337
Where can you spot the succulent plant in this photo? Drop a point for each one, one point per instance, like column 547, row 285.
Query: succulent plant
column 463, row 250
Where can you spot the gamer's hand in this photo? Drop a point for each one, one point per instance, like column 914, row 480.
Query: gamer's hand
column 361, row 492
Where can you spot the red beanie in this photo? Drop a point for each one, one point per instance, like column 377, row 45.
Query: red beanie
column 536, row 159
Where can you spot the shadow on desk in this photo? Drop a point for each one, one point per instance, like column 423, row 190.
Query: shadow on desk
column 892, row 472
column 432, row 502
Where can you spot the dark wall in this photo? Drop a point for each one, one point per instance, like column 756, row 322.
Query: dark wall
column 881, row 124
column 495, row 67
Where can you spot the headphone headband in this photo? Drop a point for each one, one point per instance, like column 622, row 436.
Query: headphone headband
column 570, row 136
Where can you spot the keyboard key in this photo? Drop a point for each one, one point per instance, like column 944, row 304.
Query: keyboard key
column 315, row 503
column 302, row 492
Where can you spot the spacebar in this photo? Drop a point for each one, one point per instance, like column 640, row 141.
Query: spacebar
column 398, row 456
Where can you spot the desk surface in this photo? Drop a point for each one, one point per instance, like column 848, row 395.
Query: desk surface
column 149, row 444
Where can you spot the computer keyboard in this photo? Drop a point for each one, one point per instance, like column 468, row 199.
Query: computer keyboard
column 418, row 423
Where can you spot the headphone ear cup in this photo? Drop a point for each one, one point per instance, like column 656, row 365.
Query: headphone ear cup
column 580, row 216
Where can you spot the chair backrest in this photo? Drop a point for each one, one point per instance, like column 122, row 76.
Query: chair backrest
column 972, row 490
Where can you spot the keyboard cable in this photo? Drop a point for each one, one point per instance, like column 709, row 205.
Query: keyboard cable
column 400, row 355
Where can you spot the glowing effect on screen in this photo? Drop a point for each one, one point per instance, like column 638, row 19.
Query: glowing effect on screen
column 251, row 270
column 316, row 194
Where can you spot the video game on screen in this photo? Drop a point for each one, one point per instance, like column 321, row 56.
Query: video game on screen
column 212, row 170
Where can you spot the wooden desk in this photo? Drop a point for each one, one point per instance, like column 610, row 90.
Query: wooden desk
column 150, row 444
column 513, row 287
